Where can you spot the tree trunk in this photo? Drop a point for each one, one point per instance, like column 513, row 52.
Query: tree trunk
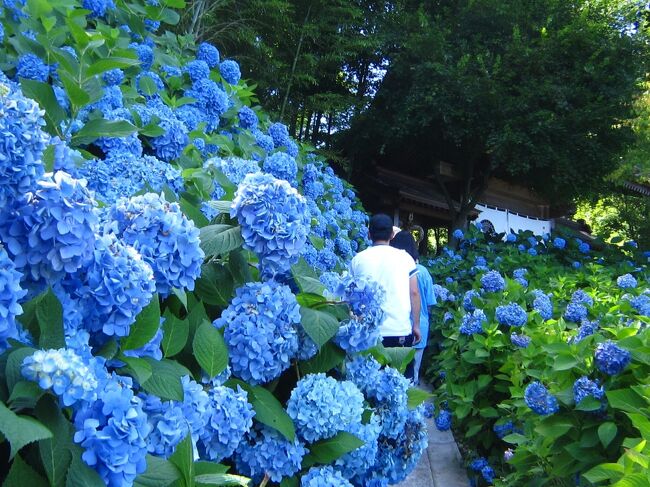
column 295, row 61
column 316, row 132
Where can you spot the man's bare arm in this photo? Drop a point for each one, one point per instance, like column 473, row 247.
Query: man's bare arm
column 415, row 308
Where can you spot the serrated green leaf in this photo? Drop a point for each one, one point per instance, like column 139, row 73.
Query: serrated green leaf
column 328, row 450
column 319, row 325
column 607, row 432
column 328, row 357
column 55, row 451
column 145, row 327
column 220, row 239
column 210, row 349
column 216, row 285
column 103, row 65
column 165, row 381
column 20, row 430
column 98, row 127
column 183, row 459
column 22, row 475
column 159, row 473
column 49, row 314
column 175, row 334
column 24, row 395
column 81, row 475
column 139, row 368
column 416, row 397
column 44, row 95
column 14, row 365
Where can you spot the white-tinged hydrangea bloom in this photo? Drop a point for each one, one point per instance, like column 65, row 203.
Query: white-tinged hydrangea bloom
column 324, row 476
column 23, row 143
column 274, row 220
column 261, row 330
column 51, row 231
column 165, row 238
column 626, row 281
column 321, row 406
column 64, row 372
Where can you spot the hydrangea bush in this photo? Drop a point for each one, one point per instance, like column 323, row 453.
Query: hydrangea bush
column 543, row 364
column 162, row 315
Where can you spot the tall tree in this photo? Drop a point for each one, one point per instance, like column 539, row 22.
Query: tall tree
column 532, row 91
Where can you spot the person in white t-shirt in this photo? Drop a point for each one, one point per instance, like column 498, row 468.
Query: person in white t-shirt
column 396, row 272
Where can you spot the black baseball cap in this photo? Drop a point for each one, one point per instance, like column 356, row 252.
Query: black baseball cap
column 380, row 227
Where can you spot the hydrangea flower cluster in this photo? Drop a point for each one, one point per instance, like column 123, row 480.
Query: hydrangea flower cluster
column 585, row 387
column 540, row 400
column 10, row 294
column 559, row 243
column 626, row 281
column 521, row 341
column 323, row 477
column 208, row 53
column 247, row 118
column 260, row 329
column 52, row 230
column 320, row 406
column 266, row 451
column 468, row 300
column 167, row 425
column 357, row 462
column 112, row 289
column 282, row 166
column 610, row 358
column 273, row 217
column 473, row 322
column 64, row 372
column 511, row 314
column 493, row 282
column 587, row 328
column 443, row 420
column 641, row 303
column 21, row 129
column 543, row 304
column 230, row 72
column 163, row 236
column 230, row 418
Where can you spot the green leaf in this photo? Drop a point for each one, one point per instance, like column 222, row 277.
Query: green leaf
column 175, row 334
column 24, row 395
column 14, row 365
column 22, row 475
column 183, row 458
column 145, row 327
column 607, row 432
column 20, row 430
column 554, row 427
column 103, row 65
column 159, row 473
column 515, row 439
column 309, row 300
column 81, row 475
column 328, row 450
column 328, row 357
column 626, row 400
column 239, row 267
column 220, row 239
column 589, row 403
column 633, row 480
column 221, row 479
column 165, row 381
column 320, row 326
column 147, row 85
column 55, row 451
column 99, row 127
column 215, row 286
column 565, row 362
column 49, row 314
column 399, row 357
column 77, row 95
column 604, row 471
column 202, row 467
column 210, row 349
column 44, row 95
column 416, row 397
column 139, row 368
column 221, row 206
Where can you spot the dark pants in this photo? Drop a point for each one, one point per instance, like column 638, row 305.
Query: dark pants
column 403, row 341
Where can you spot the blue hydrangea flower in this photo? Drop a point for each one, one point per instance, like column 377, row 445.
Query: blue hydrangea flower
column 502, row 429
column 587, row 328
column 582, row 297
column 266, row 451
column 23, row 143
column 540, row 400
column 358, row 461
column 164, row 237
column 511, row 237
column 575, row 312
column 282, row 166
column 197, row 70
column 473, row 322
column 521, row 341
column 559, row 243
column 261, row 330
column 262, row 140
column 167, row 424
column 641, row 303
column 626, row 281
column 112, row 289
column 585, row 387
column 64, row 372
column 480, row 262
column 211, row 100
column 247, row 118
column 208, row 53
column 458, row 234
column 151, row 25
column 576, row 264
column 98, row 8
column 320, row 406
column 150, row 349
column 10, row 294
column 230, row 71
column 487, row 473
column 532, row 251
column 478, row 464
column 52, row 230
column 521, row 248
column 30, row 66
column 468, row 300
column 279, row 133
column 442, row 293
column 323, row 477
column 273, row 219
column 113, row 77
column 443, row 420
column 584, row 248
column 230, row 419
column 196, row 406
column 542, row 304
column 511, row 314
column 610, row 358
column 144, row 53
column 113, row 433
column 493, row 282
column 171, row 71
column 234, row 168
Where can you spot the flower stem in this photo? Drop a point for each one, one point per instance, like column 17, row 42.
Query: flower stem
column 265, row 480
